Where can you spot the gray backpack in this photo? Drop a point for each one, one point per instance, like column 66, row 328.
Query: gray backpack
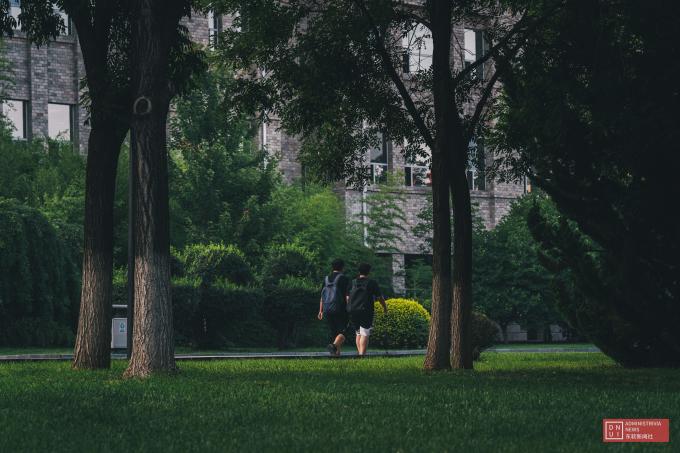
column 330, row 296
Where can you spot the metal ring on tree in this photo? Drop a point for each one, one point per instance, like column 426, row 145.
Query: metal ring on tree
column 142, row 106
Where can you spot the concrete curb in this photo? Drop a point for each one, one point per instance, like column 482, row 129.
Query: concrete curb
column 285, row 355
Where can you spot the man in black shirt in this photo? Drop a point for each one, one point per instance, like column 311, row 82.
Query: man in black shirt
column 333, row 305
column 365, row 291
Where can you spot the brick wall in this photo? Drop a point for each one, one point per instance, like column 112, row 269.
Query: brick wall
column 47, row 74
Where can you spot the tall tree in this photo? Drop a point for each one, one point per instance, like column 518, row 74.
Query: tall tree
column 101, row 33
column 221, row 181
column 589, row 113
column 104, row 30
column 336, row 77
column 157, row 41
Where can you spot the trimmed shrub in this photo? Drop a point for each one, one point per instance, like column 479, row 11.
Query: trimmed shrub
column 484, row 333
column 39, row 280
column 288, row 260
column 232, row 316
column 291, row 308
column 186, row 296
column 405, row 325
column 214, row 316
column 37, row 332
column 213, row 262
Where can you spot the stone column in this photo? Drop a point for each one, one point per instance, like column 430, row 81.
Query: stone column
column 398, row 274
column 39, row 90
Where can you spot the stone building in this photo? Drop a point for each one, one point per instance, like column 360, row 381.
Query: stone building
column 44, row 99
column 44, row 102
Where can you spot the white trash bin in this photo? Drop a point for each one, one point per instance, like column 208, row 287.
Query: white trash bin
column 119, row 333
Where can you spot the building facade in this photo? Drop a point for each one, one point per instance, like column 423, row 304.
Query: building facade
column 44, row 102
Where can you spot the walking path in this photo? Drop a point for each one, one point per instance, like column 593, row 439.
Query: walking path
column 293, row 354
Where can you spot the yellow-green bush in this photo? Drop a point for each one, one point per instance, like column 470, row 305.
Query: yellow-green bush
column 405, row 325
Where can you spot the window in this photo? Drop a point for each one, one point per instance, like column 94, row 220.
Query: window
column 59, row 121
column 14, row 11
column 418, row 46
column 474, row 47
column 15, row 113
column 263, row 135
column 214, row 28
column 476, row 165
column 417, row 168
column 65, row 19
column 378, row 156
column 470, row 47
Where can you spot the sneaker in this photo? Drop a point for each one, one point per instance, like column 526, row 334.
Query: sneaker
column 332, row 350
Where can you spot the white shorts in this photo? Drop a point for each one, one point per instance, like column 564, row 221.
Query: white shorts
column 364, row 332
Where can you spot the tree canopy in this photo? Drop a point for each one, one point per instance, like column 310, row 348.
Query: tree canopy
column 587, row 114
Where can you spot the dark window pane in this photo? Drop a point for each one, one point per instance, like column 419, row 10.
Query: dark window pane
column 406, row 64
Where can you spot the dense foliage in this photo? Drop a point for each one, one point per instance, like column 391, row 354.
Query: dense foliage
column 221, row 183
column 289, row 260
column 212, row 263
column 39, row 279
column 385, row 222
column 484, row 333
column 589, row 114
column 46, row 176
column 290, row 307
column 511, row 285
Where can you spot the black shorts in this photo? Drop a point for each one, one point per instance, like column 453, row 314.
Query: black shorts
column 337, row 323
column 361, row 319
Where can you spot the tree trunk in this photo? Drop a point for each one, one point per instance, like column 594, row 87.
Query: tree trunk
column 461, row 348
column 153, row 347
column 439, row 341
column 93, row 340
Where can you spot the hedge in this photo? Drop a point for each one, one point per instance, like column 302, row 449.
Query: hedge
column 215, row 316
column 39, row 279
column 484, row 333
column 291, row 308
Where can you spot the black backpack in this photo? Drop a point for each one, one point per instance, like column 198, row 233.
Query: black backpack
column 359, row 298
column 330, row 295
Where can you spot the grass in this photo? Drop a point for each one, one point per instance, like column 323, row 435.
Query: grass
column 584, row 346
column 512, row 402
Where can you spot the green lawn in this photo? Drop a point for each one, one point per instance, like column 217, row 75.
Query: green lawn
column 513, row 402
column 584, row 346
